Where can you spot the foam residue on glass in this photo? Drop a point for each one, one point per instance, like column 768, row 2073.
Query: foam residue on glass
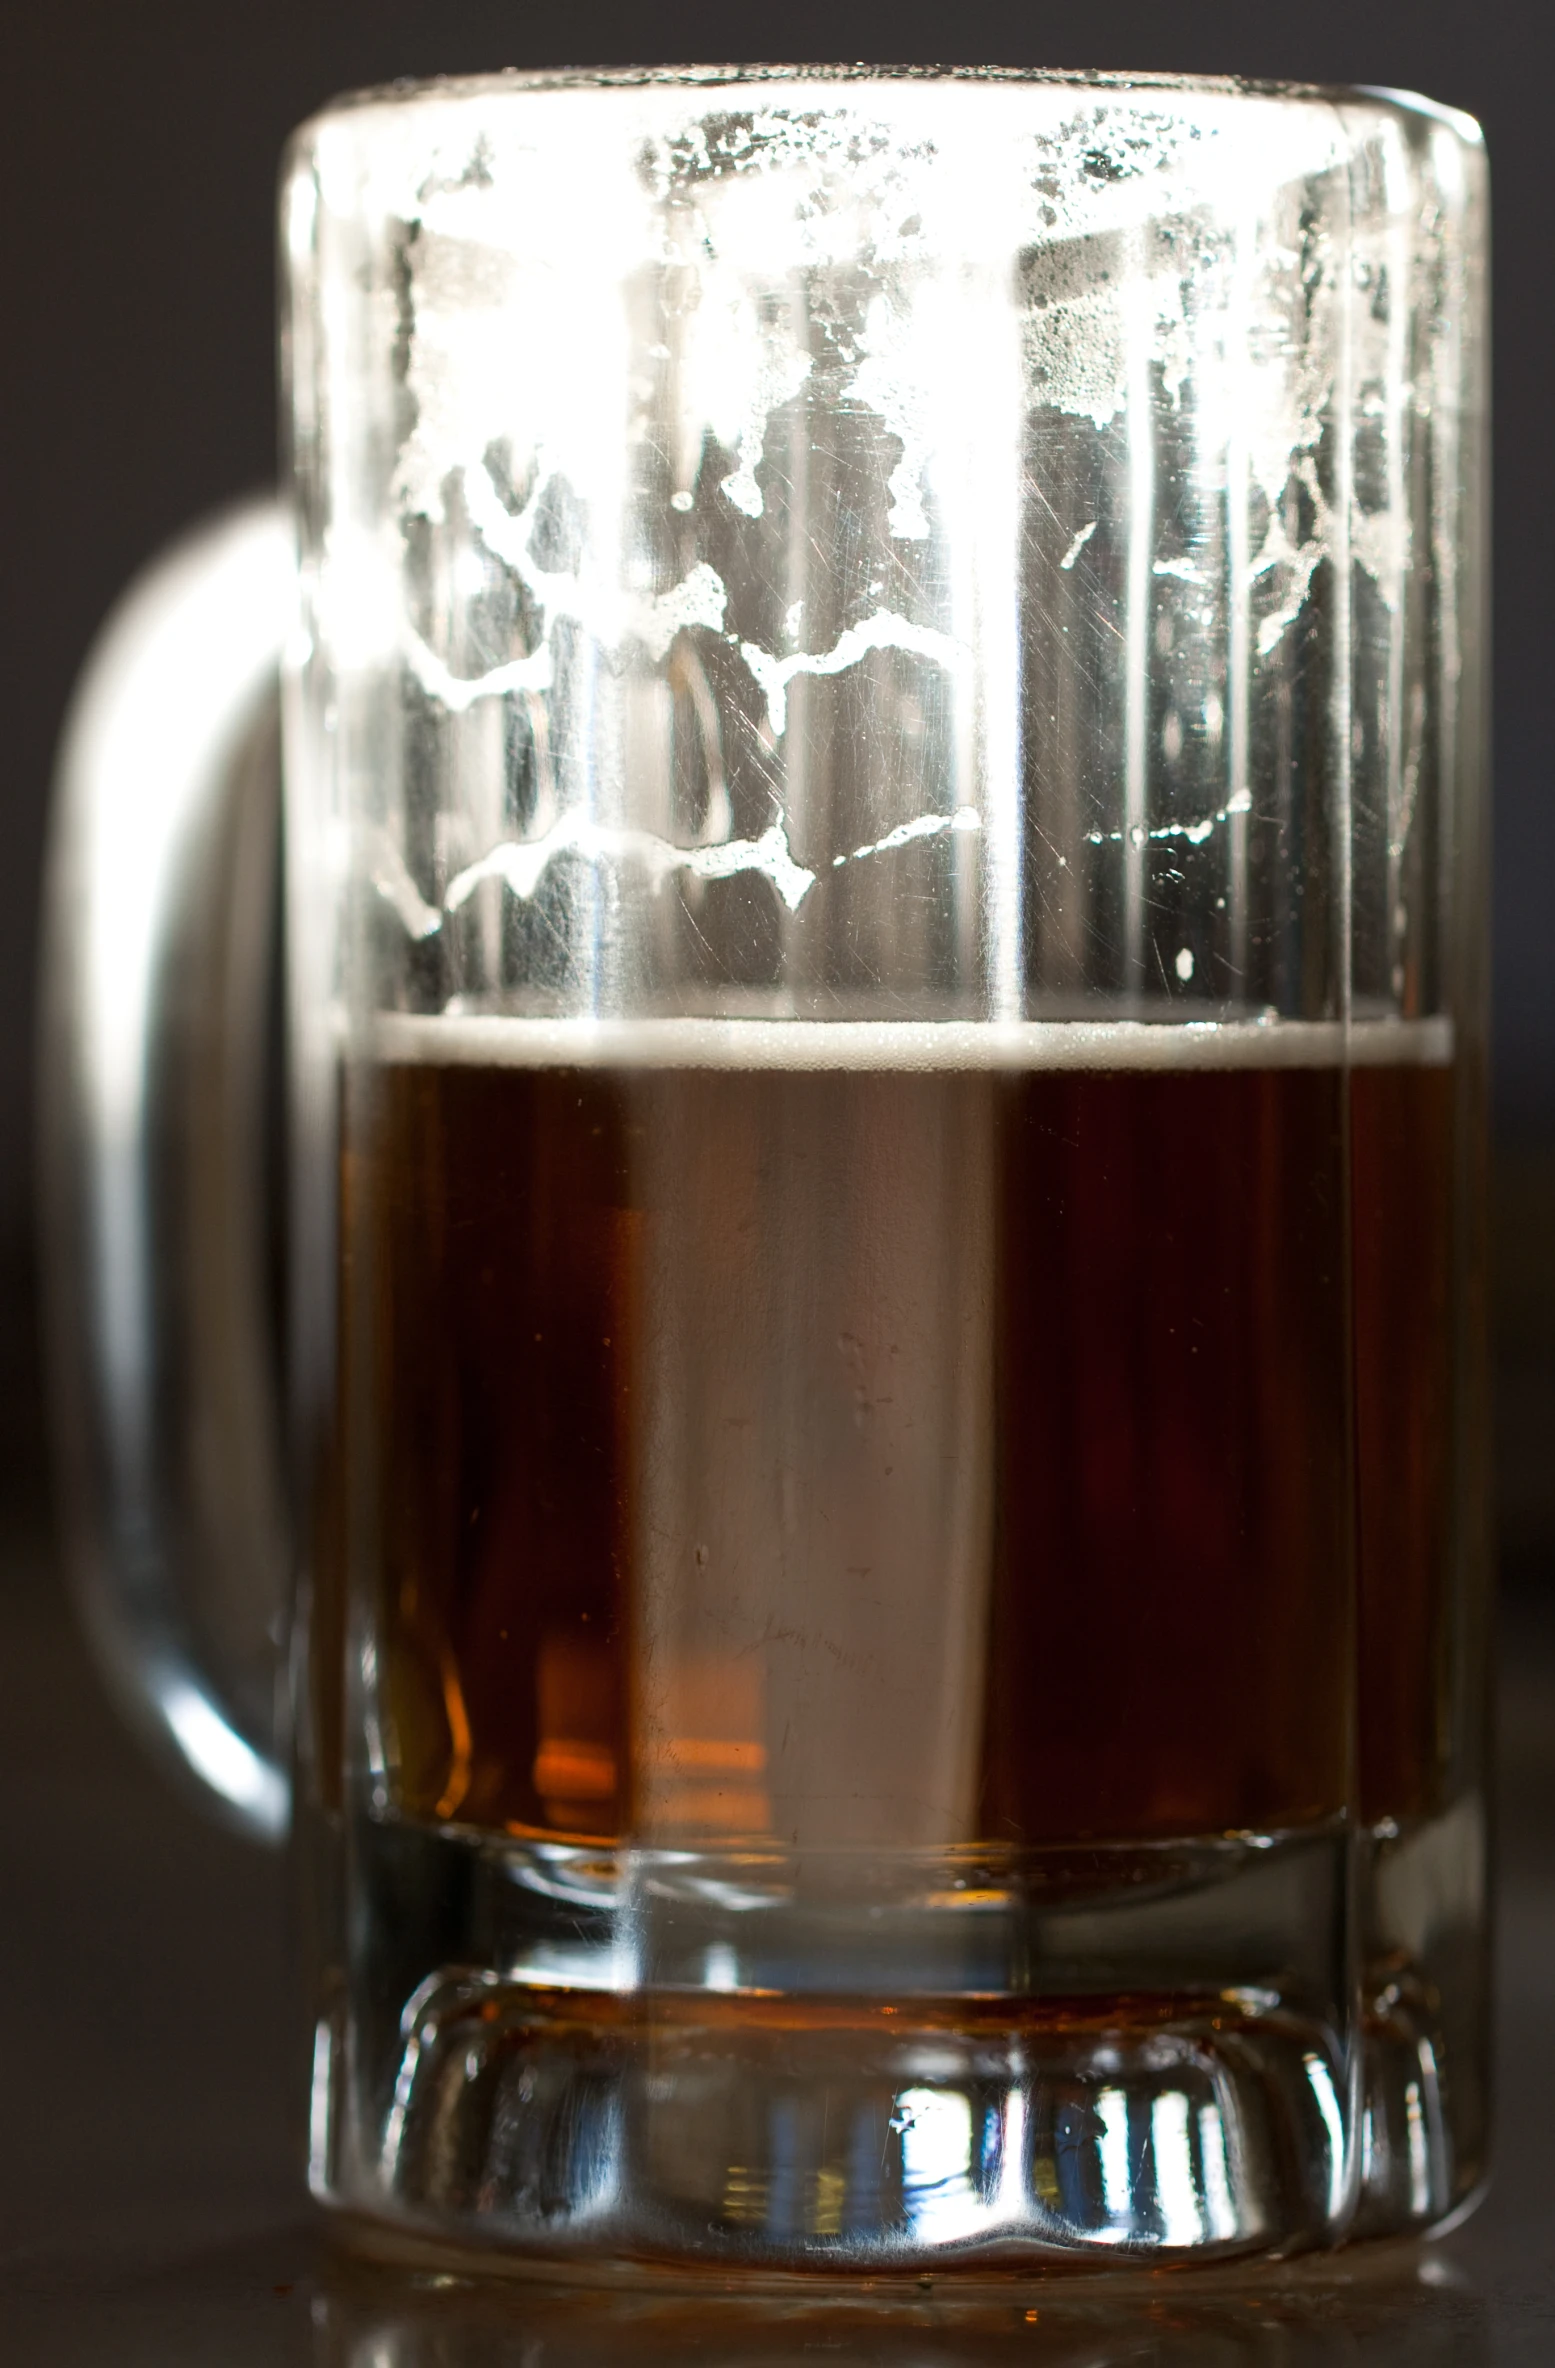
column 765, row 627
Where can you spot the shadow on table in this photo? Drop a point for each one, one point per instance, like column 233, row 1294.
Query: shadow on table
column 1413, row 2309
column 286, row 2301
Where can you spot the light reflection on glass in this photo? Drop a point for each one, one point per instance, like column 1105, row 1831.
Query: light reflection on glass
column 229, row 1765
column 1321, row 2082
column 1419, row 2158
column 936, row 2128
column 1112, row 2148
column 720, row 1970
column 318, row 2109
column 1010, row 2196
column 1177, row 2199
column 1214, row 2171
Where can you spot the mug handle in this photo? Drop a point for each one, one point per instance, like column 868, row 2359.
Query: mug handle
column 160, row 945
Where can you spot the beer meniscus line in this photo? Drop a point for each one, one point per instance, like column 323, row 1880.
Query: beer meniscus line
column 504, row 1041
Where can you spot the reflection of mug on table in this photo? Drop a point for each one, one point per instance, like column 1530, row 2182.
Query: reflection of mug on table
column 883, row 775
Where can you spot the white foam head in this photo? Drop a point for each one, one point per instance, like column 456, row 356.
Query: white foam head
column 498, row 1041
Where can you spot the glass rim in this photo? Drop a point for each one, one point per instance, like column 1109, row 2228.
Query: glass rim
column 409, row 91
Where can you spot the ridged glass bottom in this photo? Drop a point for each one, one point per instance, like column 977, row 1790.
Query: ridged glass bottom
column 1425, row 2021
column 843, row 2061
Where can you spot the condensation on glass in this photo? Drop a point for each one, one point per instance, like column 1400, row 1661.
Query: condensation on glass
column 884, row 767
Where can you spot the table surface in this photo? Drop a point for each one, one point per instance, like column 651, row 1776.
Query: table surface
column 149, row 2196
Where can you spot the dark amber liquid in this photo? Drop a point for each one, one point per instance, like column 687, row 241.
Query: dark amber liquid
column 1171, row 1609
column 1403, row 1141
column 1127, row 1431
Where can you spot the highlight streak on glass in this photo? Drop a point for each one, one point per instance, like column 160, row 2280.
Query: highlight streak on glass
column 1112, row 2153
column 936, row 2127
column 1214, row 2174
column 1177, row 2197
column 1140, row 429
column 1419, row 2154
column 1239, row 603
column 1321, row 2082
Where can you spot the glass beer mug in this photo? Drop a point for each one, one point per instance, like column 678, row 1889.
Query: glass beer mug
column 882, row 1664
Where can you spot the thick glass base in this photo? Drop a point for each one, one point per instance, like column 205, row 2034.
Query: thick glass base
column 1425, row 2018
column 843, row 2061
